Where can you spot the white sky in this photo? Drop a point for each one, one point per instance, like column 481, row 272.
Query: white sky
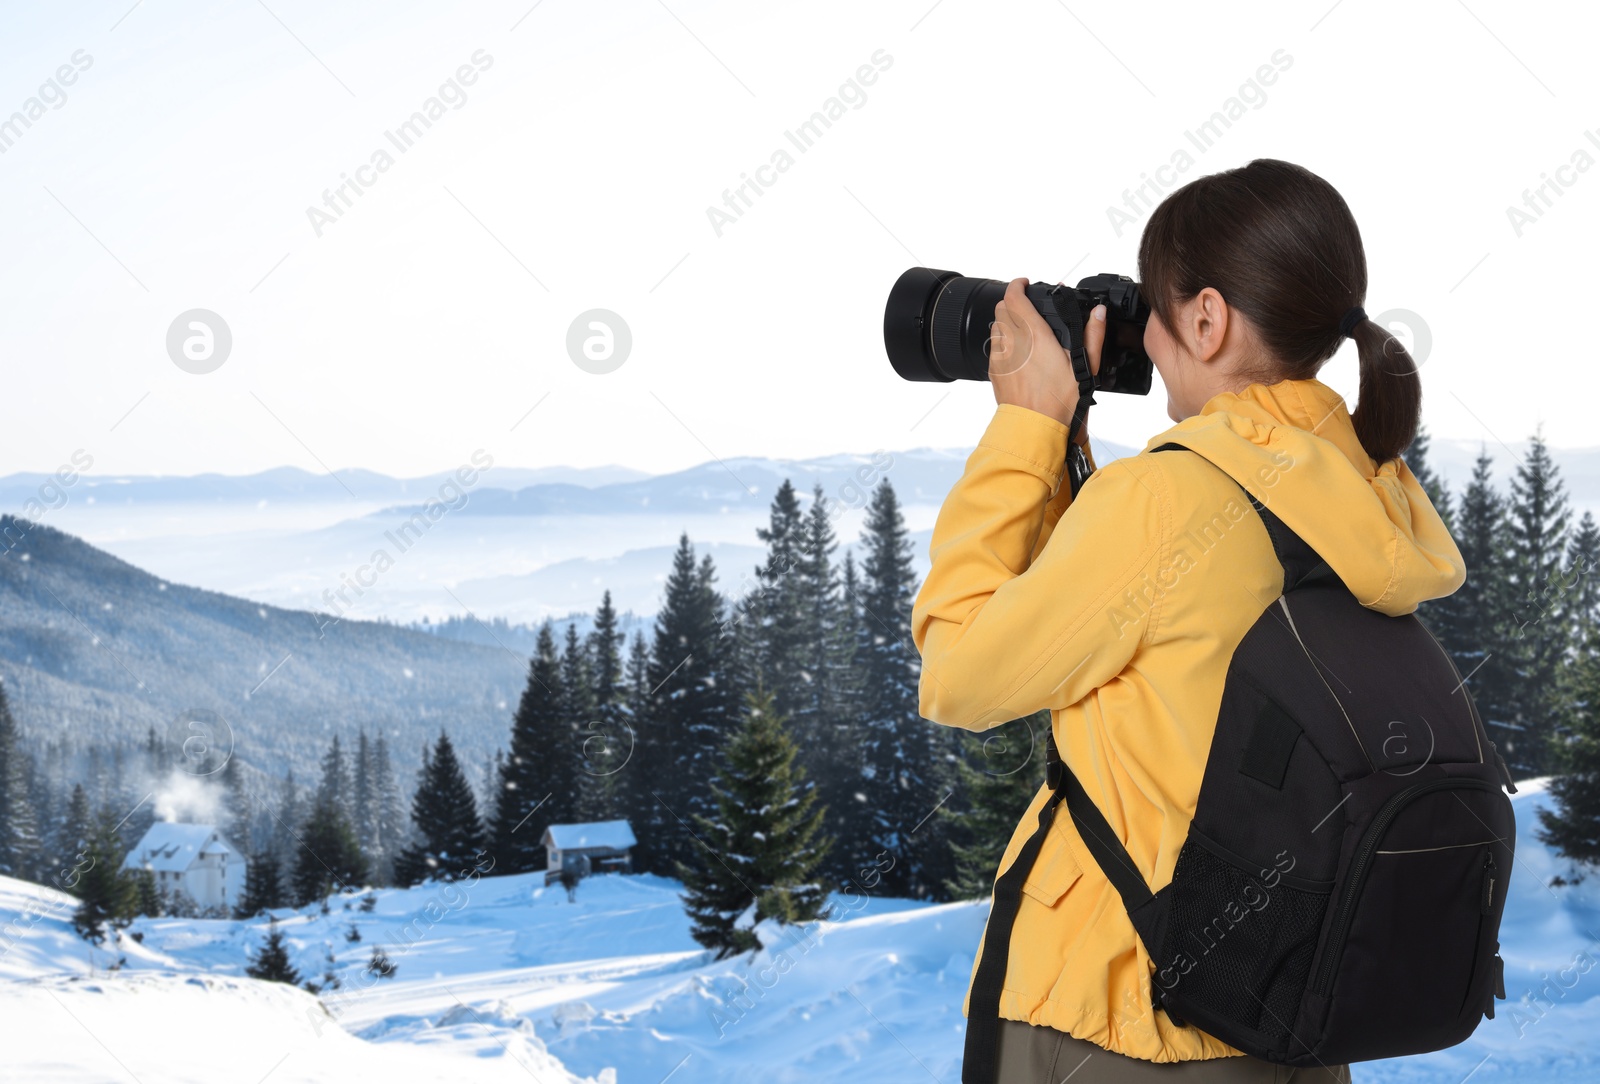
column 178, row 173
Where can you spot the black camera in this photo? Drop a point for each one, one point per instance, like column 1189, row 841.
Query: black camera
column 936, row 326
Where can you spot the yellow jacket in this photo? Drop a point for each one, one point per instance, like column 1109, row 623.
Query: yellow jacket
column 1119, row 614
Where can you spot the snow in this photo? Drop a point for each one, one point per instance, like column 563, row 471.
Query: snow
column 503, row 980
column 570, row 837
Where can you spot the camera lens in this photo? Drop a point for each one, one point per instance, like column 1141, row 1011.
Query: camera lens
column 936, row 325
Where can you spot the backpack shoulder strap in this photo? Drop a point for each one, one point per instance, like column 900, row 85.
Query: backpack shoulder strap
column 1145, row 908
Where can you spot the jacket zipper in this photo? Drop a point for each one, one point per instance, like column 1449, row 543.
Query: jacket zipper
column 1345, row 914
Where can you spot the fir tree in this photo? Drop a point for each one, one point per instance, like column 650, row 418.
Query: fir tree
column 997, row 779
column 908, row 761
column 364, row 800
column 389, row 820
column 608, row 736
column 270, row 963
column 380, row 965
column 638, row 803
column 844, row 788
column 1573, row 826
column 761, row 845
column 70, row 841
column 238, row 812
column 327, row 857
column 146, row 899
column 336, row 787
column 1583, row 581
column 690, row 712
column 288, row 816
column 1479, row 648
column 536, row 779
column 825, row 725
column 263, row 885
column 1416, row 457
column 778, row 607
column 106, row 895
column 446, row 816
column 1442, row 616
column 20, row 845
column 1539, row 641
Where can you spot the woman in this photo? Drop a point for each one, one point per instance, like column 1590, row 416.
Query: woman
column 1119, row 610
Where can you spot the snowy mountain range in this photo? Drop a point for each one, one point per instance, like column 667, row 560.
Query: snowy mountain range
column 522, row 544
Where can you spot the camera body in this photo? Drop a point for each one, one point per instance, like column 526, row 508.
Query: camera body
column 936, row 326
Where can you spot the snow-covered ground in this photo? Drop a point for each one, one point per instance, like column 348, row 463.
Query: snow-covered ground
column 503, row 979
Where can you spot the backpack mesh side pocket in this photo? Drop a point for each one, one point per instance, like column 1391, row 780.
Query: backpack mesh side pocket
column 1239, row 942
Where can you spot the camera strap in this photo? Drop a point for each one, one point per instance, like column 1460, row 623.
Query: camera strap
column 1069, row 314
column 1078, row 469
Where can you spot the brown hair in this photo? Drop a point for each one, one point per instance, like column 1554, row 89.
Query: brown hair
column 1280, row 245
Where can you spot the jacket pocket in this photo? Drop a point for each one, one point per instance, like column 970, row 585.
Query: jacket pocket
column 1054, row 872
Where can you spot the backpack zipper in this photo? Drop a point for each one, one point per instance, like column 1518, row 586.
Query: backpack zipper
column 1343, row 916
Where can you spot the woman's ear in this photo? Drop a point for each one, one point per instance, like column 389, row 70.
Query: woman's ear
column 1207, row 325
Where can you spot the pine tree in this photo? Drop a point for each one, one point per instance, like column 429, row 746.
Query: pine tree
column 1582, row 584
column 380, row 965
column 638, row 803
column 997, row 778
column 71, row 838
column 364, row 799
column 327, row 857
column 908, row 760
column 389, row 819
column 270, row 963
column 1442, row 616
column 825, row 722
column 146, row 897
column 536, row 781
column 845, row 788
column 288, row 817
column 607, row 738
column 689, row 671
column 20, row 845
column 446, row 816
column 1416, row 457
column 778, row 607
column 1480, row 646
column 336, row 787
column 761, row 845
column 106, row 895
column 263, row 885
column 1573, row 826
column 238, row 813
column 1539, row 641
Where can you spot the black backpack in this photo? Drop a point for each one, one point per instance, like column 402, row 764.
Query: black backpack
column 1338, row 897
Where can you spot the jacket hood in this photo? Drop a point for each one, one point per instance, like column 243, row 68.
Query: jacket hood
column 1293, row 447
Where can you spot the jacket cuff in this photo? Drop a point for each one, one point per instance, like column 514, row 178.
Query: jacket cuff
column 1037, row 443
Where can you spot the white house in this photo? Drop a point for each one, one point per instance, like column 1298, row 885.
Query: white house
column 595, row 847
column 192, row 860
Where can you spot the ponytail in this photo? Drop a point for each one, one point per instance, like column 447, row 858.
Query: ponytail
column 1281, row 246
column 1390, row 405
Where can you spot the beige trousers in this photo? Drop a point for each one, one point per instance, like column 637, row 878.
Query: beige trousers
column 1041, row 1055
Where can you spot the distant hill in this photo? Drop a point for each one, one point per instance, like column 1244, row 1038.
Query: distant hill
column 89, row 643
column 290, row 485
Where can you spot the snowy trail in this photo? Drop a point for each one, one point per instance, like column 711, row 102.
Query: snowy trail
column 504, row 979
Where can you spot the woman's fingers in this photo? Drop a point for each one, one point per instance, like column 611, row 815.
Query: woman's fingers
column 1094, row 336
column 1016, row 328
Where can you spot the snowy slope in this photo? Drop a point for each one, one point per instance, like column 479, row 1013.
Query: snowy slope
column 497, row 977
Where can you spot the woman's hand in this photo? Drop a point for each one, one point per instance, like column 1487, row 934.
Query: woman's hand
column 1027, row 366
